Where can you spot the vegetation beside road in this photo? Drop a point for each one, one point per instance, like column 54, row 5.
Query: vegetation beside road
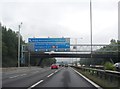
column 103, row 61
column 45, row 62
column 9, row 47
column 10, row 50
column 109, row 66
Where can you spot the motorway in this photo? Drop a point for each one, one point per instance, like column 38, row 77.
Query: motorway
column 45, row 77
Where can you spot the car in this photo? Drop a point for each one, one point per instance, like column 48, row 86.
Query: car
column 54, row 66
column 66, row 65
column 117, row 65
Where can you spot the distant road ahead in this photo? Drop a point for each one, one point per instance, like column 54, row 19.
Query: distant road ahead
column 66, row 77
column 45, row 77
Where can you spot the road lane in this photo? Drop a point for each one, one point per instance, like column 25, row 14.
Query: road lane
column 66, row 77
column 26, row 79
column 62, row 77
column 19, row 71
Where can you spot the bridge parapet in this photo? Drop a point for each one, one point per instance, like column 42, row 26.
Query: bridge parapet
column 96, row 48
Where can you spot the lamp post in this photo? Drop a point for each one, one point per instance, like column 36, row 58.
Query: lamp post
column 91, row 25
column 19, row 27
column 76, row 49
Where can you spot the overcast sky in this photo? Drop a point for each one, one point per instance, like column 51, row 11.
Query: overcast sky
column 62, row 18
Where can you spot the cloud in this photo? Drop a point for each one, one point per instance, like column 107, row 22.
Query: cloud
column 56, row 18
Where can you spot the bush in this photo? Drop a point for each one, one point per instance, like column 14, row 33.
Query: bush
column 109, row 66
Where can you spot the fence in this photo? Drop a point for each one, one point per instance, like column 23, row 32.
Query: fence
column 109, row 77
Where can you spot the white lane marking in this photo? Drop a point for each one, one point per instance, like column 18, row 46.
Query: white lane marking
column 23, row 74
column 18, row 76
column 36, row 84
column 50, row 75
column 56, row 71
column 53, row 73
column 14, row 76
column 94, row 84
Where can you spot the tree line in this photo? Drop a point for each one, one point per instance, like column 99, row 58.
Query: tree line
column 102, row 61
column 9, row 47
column 10, row 50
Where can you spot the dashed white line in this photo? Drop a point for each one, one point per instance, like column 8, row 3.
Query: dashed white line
column 18, row 76
column 94, row 84
column 36, row 84
column 14, row 76
column 56, row 71
column 41, row 80
column 50, row 75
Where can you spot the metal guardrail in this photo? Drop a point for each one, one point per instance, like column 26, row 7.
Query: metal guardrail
column 112, row 77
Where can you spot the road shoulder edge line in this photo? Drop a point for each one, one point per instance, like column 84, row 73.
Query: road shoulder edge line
column 91, row 82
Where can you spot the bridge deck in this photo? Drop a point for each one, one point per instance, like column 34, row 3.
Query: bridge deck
column 73, row 55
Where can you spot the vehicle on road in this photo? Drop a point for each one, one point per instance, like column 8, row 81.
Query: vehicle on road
column 117, row 65
column 66, row 65
column 54, row 66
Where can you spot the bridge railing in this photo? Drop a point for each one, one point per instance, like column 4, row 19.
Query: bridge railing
column 86, row 48
column 95, row 48
column 109, row 77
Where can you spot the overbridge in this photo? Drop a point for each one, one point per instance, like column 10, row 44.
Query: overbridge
column 72, row 55
column 78, row 51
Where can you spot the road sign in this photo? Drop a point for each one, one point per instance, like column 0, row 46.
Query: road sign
column 49, row 44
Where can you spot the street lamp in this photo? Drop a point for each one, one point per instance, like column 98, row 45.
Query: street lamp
column 76, row 50
column 91, row 25
column 19, row 27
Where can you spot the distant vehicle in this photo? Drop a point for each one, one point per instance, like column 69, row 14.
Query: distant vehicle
column 59, row 65
column 78, row 65
column 66, row 65
column 54, row 66
column 83, row 65
column 117, row 65
column 69, row 64
column 62, row 65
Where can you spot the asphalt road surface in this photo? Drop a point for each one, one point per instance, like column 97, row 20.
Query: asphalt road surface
column 45, row 77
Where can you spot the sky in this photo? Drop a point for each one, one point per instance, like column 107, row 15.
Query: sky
column 62, row 18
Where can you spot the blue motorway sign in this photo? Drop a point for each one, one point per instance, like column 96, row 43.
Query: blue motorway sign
column 49, row 44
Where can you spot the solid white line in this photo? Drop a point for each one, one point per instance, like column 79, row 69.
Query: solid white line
column 36, row 84
column 50, row 75
column 94, row 84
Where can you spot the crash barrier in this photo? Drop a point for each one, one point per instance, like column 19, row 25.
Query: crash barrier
column 109, row 77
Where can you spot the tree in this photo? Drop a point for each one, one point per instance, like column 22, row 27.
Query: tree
column 48, row 61
column 9, row 47
column 113, row 46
